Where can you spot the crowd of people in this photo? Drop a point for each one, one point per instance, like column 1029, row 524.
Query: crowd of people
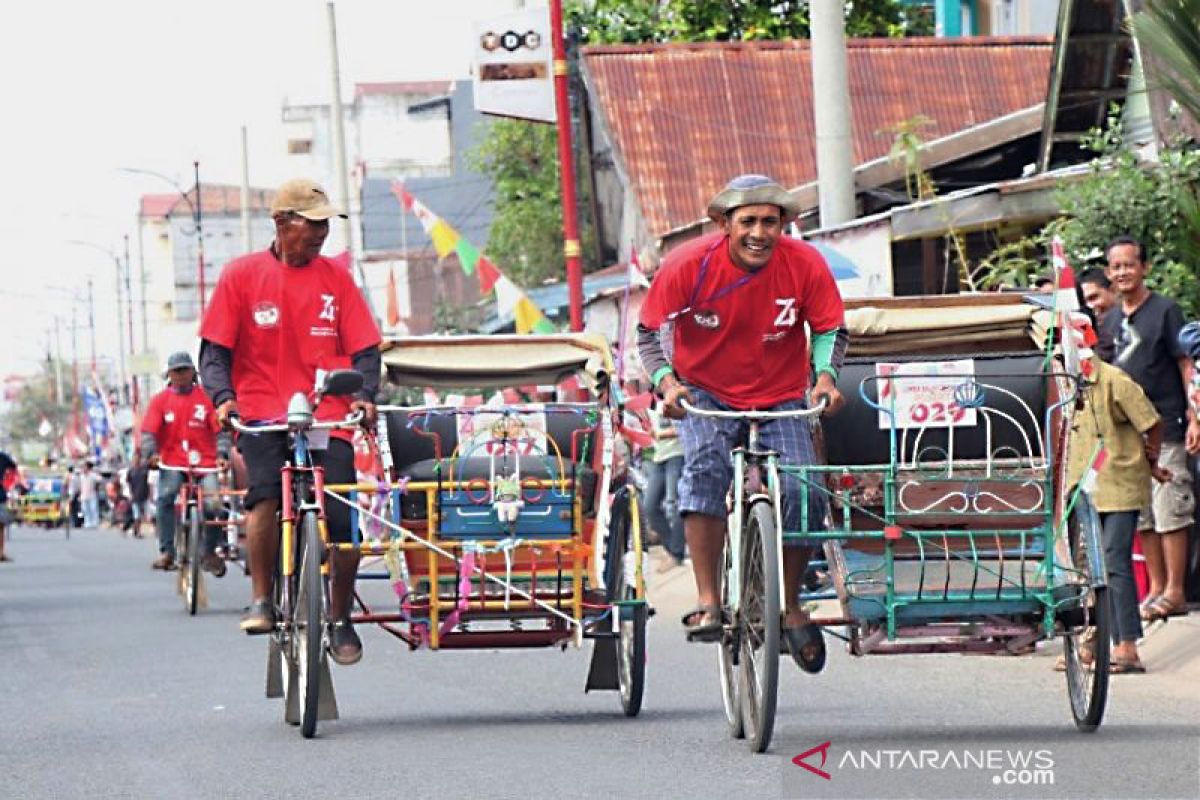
column 743, row 318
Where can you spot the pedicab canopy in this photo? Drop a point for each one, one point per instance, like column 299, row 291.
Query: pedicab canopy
column 497, row 361
column 945, row 324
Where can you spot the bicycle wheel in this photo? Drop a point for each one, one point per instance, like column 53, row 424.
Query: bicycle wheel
column 758, row 625
column 191, row 593
column 727, row 657
column 310, row 624
column 631, row 618
column 1087, row 677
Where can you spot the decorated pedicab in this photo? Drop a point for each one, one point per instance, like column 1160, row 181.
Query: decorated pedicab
column 951, row 528
column 493, row 524
column 45, row 504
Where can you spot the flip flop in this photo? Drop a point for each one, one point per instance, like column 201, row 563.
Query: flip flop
column 1126, row 668
column 708, row 626
column 1144, row 607
column 808, row 635
column 1161, row 608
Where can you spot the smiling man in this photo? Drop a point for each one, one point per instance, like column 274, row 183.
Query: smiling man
column 1144, row 329
column 737, row 302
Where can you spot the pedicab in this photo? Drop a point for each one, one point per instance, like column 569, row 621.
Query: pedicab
column 45, row 504
column 949, row 525
column 494, row 524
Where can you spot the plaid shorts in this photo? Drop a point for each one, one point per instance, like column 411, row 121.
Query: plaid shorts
column 708, row 469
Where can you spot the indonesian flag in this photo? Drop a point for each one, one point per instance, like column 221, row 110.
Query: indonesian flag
column 1088, row 481
column 637, row 275
column 1065, row 298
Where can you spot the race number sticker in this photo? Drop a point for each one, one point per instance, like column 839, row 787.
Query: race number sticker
column 922, row 394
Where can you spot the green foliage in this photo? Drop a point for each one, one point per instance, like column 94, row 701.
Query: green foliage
column 1156, row 204
column 35, row 401
column 1168, row 29
column 526, row 238
column 636, row 21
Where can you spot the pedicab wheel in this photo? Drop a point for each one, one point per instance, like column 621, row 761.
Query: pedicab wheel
column 727, row 658
column 1087, row 683
column 191, row 594
column 758, row 626
column 310, row 625
column 631, row 617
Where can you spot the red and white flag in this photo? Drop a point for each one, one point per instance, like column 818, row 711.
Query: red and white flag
column 1088, row 481
column 1065, row 298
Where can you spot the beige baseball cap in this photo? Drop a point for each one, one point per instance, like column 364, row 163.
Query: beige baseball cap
column 306, row 198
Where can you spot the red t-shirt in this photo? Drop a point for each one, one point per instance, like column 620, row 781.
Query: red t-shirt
column 182, row 422
column 741, row 335
column 283, row 324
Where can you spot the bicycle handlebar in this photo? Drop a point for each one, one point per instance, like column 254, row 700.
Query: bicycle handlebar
column 796, row 413
column 283, row 427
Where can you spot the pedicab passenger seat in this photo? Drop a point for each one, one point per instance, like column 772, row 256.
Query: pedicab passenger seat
column 414, row 456
column 1003, row 342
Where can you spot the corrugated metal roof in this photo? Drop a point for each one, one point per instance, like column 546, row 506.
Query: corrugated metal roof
column 685, row 118
column 215, row 199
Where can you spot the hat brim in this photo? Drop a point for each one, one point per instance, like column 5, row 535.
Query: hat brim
column 321, row 213
column 774, row 194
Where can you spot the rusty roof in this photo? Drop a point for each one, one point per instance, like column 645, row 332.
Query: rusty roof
column 684, row 118
column 215, row 199
column 403, row 87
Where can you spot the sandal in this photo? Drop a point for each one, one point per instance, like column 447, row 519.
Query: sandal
column 1086, row 657
column 1162, row 608
column 1144, row 607
column 704, row 624
column 1126, row 667
column 808, row 636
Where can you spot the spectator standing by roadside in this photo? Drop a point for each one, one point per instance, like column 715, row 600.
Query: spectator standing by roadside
column 1099, row 298
column 1144, row 329
column 138, row 478
column 663, row 469
column 6, row 465
column 90, row 484
column 1119, row 417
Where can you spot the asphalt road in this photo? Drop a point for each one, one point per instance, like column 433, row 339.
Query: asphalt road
column 107, row 689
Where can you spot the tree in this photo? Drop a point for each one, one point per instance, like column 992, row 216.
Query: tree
column 1168, row 29
column 521, row 157
column 1120, row 195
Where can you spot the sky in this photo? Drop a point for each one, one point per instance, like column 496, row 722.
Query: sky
column 91, row 88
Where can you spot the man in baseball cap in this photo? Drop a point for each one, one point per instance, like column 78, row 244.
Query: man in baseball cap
column 306, row 198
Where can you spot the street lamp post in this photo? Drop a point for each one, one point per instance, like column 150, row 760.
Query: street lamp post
column 197, row 212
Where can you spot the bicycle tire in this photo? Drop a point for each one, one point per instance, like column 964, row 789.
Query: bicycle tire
column 1087, row 684
column 758, row 625
column 727, row 656
column 191, row 594
column 631, row 619
column 310, row 627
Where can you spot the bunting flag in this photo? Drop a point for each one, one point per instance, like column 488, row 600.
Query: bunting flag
column 637, row 275
column 527, row 317
column 393, row 299
column 510, row 299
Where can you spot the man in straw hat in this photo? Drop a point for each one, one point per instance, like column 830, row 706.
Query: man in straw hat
column 277, row 319
column 738, row 301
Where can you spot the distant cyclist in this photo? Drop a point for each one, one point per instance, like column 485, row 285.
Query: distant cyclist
column 278, row 319
column 738, row 302
column 181, row 425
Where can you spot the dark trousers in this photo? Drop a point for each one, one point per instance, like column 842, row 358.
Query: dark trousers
column 1117, row 536
column 662, row 504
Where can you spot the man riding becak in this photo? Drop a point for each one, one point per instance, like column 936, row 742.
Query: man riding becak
column 737, row 302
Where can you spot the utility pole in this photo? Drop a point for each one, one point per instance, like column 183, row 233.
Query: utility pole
column 199, row 246
column 58, row 376
column 339, row 154
column 247, row 245
column 123, row 374
column 831, row 110
column 92, row 323
column 133, row 378
column 566, row 160
column 142, row 281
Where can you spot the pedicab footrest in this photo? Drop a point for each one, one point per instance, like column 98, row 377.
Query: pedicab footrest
column 463, row 516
